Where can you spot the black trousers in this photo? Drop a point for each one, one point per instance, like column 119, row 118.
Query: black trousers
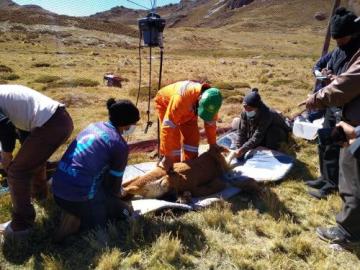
column 98, row 211
column 349, row 186
column 329, row 154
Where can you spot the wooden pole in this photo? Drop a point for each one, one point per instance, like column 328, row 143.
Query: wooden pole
column 328, row 37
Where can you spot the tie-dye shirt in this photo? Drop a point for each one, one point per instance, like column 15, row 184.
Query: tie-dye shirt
column 97, row 150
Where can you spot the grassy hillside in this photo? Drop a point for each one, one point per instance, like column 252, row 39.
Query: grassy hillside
column 261, row 48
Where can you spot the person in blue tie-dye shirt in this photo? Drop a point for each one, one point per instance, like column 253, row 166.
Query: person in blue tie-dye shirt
column 87, row 182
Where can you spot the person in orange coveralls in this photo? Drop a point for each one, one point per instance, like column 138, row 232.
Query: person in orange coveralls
column 178, row 106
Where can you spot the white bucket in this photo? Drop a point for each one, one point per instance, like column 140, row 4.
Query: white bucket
column 307, row 130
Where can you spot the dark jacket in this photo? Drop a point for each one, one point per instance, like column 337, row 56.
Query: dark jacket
column 322, row 62
column 7, row 133
column 343, row 91
column 341, row 57
column 252, row 131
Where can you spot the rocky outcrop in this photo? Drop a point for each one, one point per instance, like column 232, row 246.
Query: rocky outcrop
column 239, row 3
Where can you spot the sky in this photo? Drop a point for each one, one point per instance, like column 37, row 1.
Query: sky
column 89, row 7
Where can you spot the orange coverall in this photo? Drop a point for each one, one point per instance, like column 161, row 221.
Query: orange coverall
column 176, row 107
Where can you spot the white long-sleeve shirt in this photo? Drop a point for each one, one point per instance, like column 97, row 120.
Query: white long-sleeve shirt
column 26, row 108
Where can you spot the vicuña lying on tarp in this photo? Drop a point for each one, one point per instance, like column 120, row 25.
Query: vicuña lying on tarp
column 200, row 177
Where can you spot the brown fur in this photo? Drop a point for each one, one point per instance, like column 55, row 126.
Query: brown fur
column 200, row 177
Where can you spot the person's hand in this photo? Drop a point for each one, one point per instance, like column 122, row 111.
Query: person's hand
column 348, row 130
column 167, row 163
column 6, row 158
column 309, row 103
column 326, row 72
column 240, row 153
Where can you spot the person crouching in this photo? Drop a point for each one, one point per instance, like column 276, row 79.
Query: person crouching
column 259, row 126
column 87, row 182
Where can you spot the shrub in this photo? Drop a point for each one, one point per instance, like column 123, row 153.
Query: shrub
column 47, row 79
column 230, row 85
column 4, row 68
column 82, row 82
column 41, row 64
column 223, row 85
column 9, row 77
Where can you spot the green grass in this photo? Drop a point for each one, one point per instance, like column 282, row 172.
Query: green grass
column 73, row 83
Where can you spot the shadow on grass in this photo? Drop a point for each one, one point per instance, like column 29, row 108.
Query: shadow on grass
column 265, row 202
column 83, row 250
column 300, row 169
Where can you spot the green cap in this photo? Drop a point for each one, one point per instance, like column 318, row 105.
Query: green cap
column 209, row 104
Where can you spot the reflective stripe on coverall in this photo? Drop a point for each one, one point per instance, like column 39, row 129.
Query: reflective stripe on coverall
column 176, row 105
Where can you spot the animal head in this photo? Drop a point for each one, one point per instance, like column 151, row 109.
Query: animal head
column 150, row 185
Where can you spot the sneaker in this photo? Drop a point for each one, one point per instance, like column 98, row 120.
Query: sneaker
column 334, row 235
column 8, row 233
column 318, row 183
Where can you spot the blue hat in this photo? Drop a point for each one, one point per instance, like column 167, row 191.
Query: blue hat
column 253, row 99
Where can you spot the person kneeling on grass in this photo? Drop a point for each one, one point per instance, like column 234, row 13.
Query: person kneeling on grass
column 259, row 126
column 87, row 182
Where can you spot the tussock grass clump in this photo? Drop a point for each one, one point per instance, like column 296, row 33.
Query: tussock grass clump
column 110, row 260
column 238, row 99
column 301, row 247
column 52, row 263
column 168, row 250
column 9, row 77
column 47, row 79
column 41, row 64
column 218, row 216
column 4, row 68
column 71, row 83
column 230, row 85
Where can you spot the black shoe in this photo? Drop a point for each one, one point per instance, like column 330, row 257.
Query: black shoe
column 320, row 193
column 318, row 183
column 334, row 235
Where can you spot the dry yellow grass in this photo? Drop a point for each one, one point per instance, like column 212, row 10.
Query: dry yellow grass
column 276, row 231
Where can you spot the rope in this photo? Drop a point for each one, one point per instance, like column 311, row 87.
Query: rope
column 149, row 123
column 159, row 87
column 140, row 71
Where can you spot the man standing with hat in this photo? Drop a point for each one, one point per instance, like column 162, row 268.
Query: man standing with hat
column 344, row 91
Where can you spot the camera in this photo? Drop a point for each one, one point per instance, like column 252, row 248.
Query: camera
column 329, row 136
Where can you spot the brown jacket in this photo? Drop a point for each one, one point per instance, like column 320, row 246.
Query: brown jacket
column 344, row 92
